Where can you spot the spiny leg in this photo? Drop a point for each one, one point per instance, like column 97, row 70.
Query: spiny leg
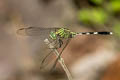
column 60, row 55
column 60, row 43
column 55, row 43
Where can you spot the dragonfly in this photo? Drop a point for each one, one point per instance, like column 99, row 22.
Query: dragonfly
column 57, row 35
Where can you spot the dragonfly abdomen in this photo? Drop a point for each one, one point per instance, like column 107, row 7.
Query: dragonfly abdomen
column 94, row 33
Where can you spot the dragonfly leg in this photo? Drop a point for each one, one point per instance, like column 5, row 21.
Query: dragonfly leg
column 57, row 43
column 41, row 66
column 55, row 63
column 54, row 43
column 60, row 43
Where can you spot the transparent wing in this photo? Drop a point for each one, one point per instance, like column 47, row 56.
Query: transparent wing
column 34, row 31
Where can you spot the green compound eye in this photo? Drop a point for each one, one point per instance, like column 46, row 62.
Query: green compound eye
column 53, row 35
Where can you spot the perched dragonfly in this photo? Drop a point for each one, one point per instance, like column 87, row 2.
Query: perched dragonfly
column 57, row 35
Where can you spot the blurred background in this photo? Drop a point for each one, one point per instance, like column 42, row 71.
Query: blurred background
column 91, row 57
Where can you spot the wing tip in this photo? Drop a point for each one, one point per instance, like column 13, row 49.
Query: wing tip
column 21, row 31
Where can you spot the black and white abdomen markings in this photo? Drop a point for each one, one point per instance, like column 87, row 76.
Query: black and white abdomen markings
column 94, row 33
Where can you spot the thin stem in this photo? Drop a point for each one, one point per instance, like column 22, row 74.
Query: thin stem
column 59, row 55
column 61, row 60
column 45, row 59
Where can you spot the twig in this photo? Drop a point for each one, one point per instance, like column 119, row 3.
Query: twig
column 61, row 60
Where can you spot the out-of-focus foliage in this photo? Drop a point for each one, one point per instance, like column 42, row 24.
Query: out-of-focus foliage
column 114, row 6
column 94, row 16
column 107, row 12
column 116, row 29
column 98, row 2
column 84, row 15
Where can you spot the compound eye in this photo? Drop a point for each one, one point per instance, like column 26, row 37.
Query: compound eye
column 53, row 35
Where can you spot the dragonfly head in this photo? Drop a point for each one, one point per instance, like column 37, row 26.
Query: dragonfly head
column 53, row 35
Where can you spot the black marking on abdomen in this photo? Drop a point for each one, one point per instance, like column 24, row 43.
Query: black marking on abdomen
column 91, row 32
column 105, row 33
column 98, row 33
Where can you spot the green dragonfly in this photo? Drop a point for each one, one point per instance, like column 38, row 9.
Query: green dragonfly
column 57, row 35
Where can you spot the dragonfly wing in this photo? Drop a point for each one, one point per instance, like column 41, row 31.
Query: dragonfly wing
column 34, row 31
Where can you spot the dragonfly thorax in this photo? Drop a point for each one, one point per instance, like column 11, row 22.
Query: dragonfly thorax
column 63, row 33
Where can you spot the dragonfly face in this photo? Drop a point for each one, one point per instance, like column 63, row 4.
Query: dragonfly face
column 53, row 35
